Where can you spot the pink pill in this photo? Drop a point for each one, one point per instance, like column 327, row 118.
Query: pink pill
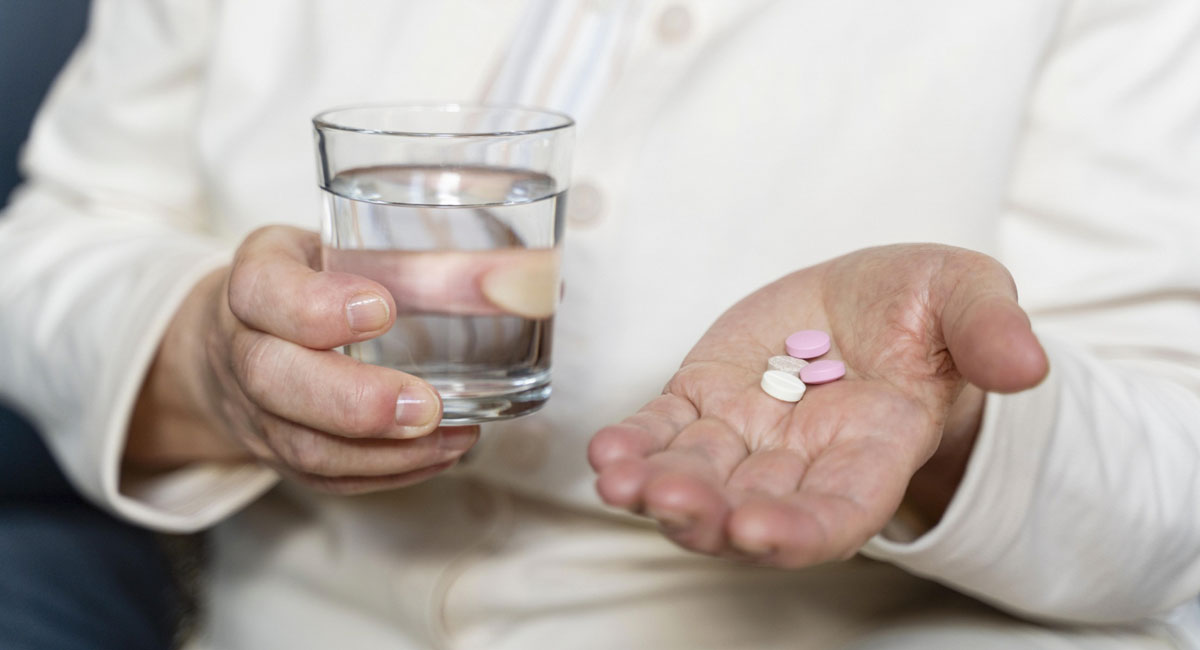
column 807, row 344
column 822, row 372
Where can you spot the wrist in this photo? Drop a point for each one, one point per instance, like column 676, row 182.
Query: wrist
column 933, row 486
column 173, row 422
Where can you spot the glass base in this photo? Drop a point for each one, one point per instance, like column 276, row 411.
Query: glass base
column 477, row 409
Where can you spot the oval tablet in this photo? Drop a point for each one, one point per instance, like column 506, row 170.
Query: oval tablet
column 784, row 363
column 782, row 386
column 822, row 372
column 807, row 344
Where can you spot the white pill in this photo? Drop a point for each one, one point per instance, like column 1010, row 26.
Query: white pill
column 783, row 386
column 785, row 363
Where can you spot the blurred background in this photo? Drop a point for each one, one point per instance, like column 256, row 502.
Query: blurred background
column 71, row 576
column 36, row 37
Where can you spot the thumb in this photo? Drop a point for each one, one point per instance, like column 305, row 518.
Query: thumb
column 274, row 287
column 989, row 335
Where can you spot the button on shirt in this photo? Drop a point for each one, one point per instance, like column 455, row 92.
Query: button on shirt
column 674, row 24
column 585, row 205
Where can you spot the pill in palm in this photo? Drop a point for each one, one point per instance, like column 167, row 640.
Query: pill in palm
column 807, row 344
column 784, row 363
column 782, row 386
column 822, row 372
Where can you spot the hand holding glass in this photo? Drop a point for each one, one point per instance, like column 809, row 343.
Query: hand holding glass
column 458, row 211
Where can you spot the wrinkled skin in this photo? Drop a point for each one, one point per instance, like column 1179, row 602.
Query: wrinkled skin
column 728, row 470
column 247, row 370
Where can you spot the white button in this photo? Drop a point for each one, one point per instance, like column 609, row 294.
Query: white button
column 585, row 205
column 674, row 24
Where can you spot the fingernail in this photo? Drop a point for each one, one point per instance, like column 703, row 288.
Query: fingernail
column 416, row 410
column 367, row 312
column 529, row 289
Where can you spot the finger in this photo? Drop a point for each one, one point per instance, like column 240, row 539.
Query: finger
column 273, row 287
column 330, row 392
column 684, row 487
column 317, row 453
column 350, row 485
column 692, row 510
column 846, row 496
column 620, row 483
column 769, row 472
column 653, row 427
column 647, row 431
column 796, row 532
column 617, row 452
column 989, row 335
column 504, row 281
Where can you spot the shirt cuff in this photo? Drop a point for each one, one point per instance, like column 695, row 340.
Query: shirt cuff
column 992, row 502
column 192, row 497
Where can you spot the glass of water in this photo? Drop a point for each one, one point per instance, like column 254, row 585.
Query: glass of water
column 458, row 211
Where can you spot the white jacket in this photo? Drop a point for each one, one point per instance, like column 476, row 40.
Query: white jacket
column 721, row 144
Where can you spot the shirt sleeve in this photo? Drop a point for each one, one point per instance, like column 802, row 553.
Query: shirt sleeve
column 102, row 244
column 1078, row 503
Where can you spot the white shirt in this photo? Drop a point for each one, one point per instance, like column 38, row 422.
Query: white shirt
column 721, row 144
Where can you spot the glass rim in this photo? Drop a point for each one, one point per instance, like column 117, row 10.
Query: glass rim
column 324, row 119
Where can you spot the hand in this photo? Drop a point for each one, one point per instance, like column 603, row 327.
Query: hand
column 246, row 369
column 730, row 471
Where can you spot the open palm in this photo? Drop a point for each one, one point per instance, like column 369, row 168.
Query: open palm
column 728, row 470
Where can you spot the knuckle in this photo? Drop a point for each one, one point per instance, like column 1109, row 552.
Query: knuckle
column 687, row 384
column 243, row 278
column 305, row 454
column 364, row 408
column 319, row 314
column 256, row 238
column 298, row 448
column 687, row 374
column 254, row 363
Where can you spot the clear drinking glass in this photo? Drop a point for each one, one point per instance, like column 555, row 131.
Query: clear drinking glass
column 458, row 211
